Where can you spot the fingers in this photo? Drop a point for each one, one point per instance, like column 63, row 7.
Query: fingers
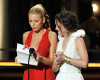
column 15, row 59
column 59, row 53
column 36, row 56
column 59, row 57
column 55, row 55
column 32, row 55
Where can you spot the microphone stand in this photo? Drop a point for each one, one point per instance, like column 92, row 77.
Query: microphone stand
column 28, row 65
column 31, row 50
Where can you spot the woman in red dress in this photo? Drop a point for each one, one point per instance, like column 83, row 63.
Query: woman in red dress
column 44, row 41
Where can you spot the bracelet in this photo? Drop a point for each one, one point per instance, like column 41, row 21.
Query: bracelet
column 67, row 59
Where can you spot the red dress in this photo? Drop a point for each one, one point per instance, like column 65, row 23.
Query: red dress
column 42, row 71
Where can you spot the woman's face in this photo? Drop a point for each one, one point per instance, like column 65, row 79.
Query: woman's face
column 36, row 22
column 60, row 28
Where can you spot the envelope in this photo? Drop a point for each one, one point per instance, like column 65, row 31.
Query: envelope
column 23, row 55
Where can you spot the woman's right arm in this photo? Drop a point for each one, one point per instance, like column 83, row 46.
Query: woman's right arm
column 55, row 66
column 25, row 36
column 24, row 39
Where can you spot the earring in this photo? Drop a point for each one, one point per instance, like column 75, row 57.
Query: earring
column 68, row 34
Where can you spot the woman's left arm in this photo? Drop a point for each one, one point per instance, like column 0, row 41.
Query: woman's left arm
column 82, row 51
column 53, row 45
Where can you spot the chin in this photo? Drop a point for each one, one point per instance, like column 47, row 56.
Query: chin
column 36, row 31
column 62, row 35
column 59, row 33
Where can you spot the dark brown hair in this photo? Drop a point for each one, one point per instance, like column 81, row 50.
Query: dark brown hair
column 68, row 20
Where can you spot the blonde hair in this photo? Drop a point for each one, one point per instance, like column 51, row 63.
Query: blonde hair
column 39, row 9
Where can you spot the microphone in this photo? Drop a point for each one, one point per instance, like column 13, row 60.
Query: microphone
column 32, row 50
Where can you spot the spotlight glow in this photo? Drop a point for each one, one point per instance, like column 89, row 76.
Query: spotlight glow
column 95, row 7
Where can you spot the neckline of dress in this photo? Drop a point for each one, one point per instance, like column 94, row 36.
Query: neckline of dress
column 66, row 44
column 40, row 40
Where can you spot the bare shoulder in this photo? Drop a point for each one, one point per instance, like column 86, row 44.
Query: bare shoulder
column 79, row 40
column 25, row 34
column 52, row 34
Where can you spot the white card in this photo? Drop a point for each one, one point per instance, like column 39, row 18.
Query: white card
column 23, row 55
